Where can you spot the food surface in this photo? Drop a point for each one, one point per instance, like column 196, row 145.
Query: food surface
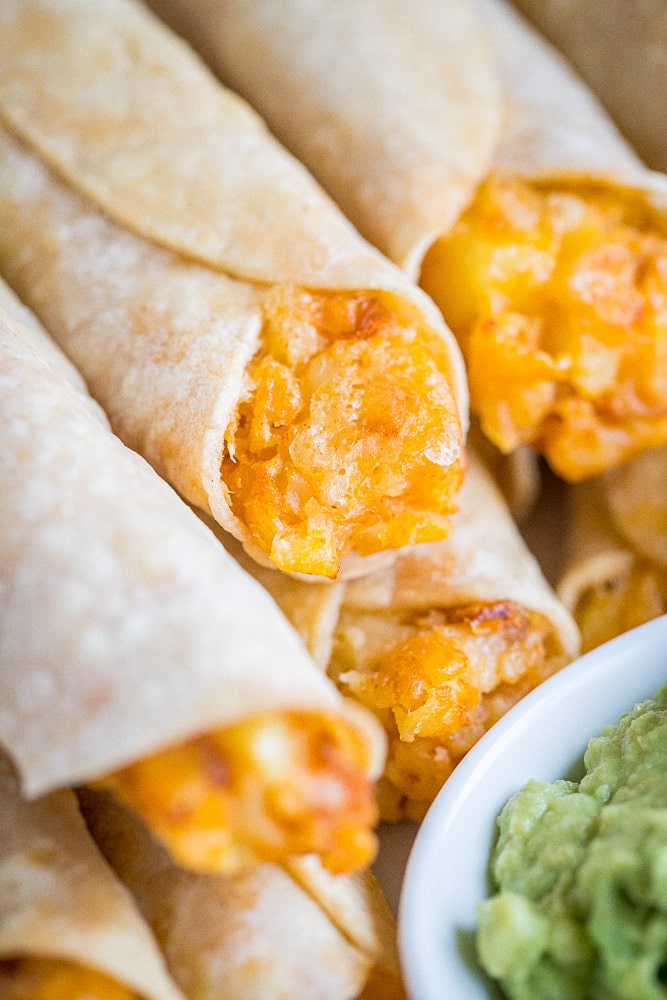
column 557, row 294
column 267, row 454
column 268, row 931
column 578, row 908
column 347, row 436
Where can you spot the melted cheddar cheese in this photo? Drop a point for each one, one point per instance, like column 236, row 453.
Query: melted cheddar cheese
column 558, row 296
column 347, row 436
column 262, row 790
column 437, row 681
column 32, row 978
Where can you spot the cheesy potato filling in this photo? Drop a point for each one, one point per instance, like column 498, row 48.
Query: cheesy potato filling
column 608, row 609
column 348, row 436
column 264, row 789
column 558, row 296
column 32, row 978
column 437, row 681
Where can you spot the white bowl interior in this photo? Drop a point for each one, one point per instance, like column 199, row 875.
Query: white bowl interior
column 543, row 737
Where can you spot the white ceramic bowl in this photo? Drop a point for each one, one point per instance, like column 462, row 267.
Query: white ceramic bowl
column 543, row 737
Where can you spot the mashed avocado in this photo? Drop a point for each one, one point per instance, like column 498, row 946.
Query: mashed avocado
column 580, row 873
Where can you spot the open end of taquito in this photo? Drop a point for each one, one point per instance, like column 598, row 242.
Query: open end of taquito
column 269, row 363
column 263, row 934
column 68, row 927
column 176, row 678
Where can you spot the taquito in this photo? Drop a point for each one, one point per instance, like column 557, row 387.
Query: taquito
column 280, row 373
column 441, row 643
column 553, row 275
column 616, row 572
column 68, row 927
column 136, row 652
column 262, row 934
column 620, row 49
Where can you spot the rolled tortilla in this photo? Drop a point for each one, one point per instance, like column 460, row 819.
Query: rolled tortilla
column 620, row 50
column 263, row 934
column 616, row 572
column 275, row 368
column 135, row 651
column 441, row 643
column 68, row 927
column 552, row 275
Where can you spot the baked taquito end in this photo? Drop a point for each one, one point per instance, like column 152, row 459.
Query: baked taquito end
column 69, row 929
column 616, row 572
column 279, row 372
column 441, row 643
column 551, row 268
column 136, row 653
column 263, row 934
column 556, row 291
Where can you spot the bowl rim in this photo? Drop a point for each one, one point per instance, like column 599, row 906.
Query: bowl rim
column 421, row 927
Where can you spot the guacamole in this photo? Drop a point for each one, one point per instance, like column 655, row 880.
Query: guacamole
column 579, row 873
